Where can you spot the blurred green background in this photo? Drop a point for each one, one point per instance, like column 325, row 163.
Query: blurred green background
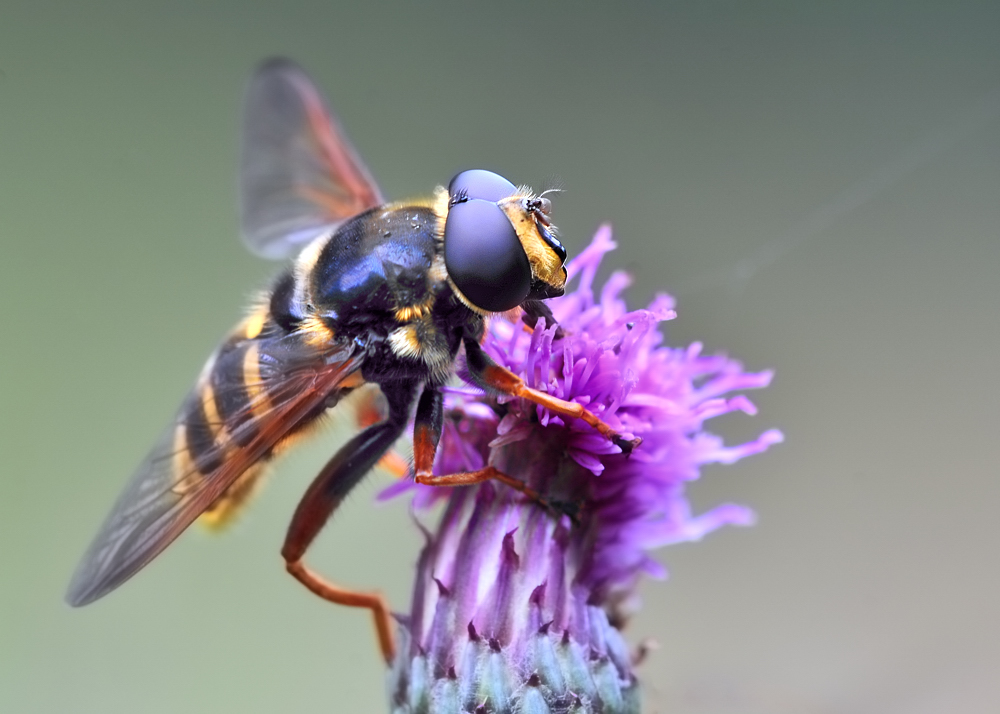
column 819, row 186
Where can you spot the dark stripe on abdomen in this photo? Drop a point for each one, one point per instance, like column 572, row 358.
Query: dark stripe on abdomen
column 205, row 453
column 232, row 400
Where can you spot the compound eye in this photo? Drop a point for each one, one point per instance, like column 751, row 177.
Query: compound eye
column 480, row 183
column 484, row 257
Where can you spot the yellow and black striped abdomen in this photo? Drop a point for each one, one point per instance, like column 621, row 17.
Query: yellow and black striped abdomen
column 263, row 386
column 245, row 389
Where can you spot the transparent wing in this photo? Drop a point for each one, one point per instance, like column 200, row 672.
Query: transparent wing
column 299, row 175
column 185, row 473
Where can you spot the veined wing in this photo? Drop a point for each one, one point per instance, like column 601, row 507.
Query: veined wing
column 253, row 394
column 299, row 175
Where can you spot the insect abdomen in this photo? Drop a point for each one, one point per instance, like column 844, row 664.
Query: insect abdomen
column 219, row 414
column 238, row 396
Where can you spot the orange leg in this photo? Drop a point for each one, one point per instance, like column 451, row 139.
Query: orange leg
column 427, row 433
column 351, row 598
column 469, row 478
column 324, row 495
column 495, row 378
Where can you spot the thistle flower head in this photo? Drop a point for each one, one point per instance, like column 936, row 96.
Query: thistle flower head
column 518, row 605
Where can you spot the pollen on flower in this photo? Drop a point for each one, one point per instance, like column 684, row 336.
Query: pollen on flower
column 518, row 605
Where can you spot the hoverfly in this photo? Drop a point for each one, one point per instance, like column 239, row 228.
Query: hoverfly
column 380, row 293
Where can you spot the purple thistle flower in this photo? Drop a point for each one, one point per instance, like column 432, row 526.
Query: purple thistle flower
column 518, row 607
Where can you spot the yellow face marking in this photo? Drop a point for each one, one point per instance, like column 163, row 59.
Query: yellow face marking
column 260, row 402
column 546, row 265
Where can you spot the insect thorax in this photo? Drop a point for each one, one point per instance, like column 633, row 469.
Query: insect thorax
column 380, row 279
column 373, row 265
